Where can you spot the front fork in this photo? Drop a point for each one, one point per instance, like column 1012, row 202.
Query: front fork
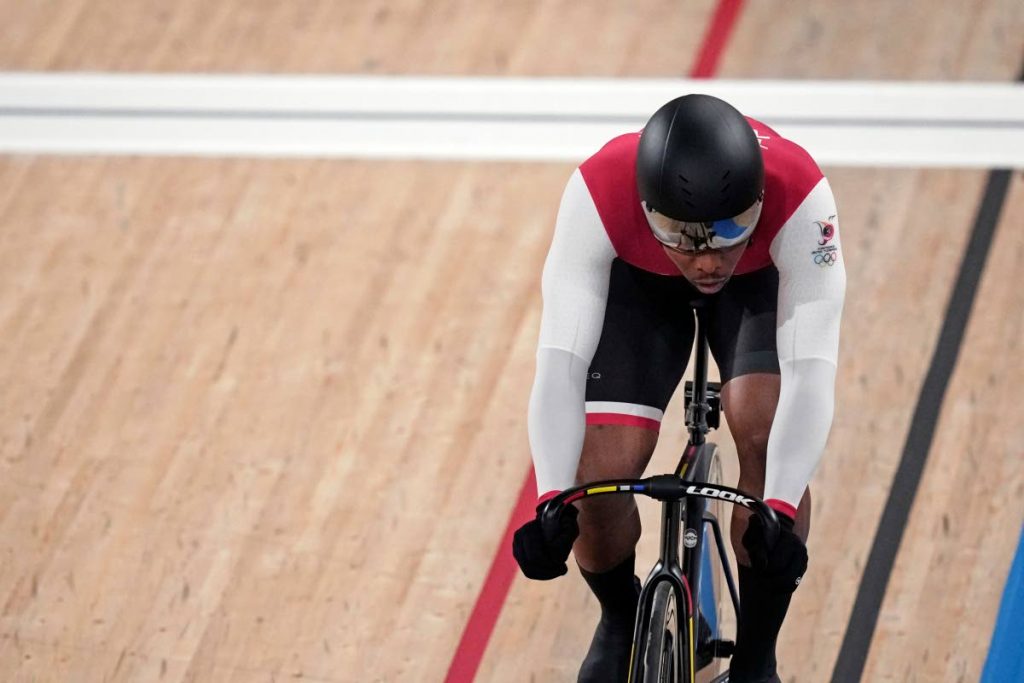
column 667, row 569
column 684, row 578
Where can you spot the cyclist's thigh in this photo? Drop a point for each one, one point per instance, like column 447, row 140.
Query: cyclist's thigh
column 742, row 339
column 742, row 325
column 645, row 344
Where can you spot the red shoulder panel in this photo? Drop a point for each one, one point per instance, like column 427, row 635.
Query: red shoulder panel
column 789, row 176
column 610, row 176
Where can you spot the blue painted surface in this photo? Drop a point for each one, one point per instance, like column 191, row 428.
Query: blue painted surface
column 1005, row 661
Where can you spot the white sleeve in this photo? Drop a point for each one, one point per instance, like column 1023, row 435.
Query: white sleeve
column 812, row 285
column 575, row 289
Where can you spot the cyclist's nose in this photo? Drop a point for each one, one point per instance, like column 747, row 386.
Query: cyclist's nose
column 708, row 264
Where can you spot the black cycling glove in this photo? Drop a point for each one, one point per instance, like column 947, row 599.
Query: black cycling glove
column 781, row 563
column 542, row 545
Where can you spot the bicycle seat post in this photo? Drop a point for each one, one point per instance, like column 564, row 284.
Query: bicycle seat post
column 696, row 418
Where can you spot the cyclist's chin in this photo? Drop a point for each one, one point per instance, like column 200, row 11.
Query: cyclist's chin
column 709, row 286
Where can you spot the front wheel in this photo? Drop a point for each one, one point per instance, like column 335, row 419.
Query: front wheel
column 666, row 650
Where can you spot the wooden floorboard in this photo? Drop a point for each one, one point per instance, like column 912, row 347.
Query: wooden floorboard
column 605, row 38
column 265, row 419
column 931, row 41
column 248, row 423
column 940, row 609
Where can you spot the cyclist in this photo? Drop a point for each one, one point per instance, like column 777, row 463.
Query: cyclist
column 703, row 202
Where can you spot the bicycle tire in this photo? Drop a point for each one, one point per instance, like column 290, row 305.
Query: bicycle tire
column 666, row 651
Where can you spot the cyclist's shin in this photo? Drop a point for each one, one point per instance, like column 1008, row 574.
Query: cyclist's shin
column 617, row 590
column 762, row 609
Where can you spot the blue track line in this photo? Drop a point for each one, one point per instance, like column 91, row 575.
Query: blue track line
column 1006, row 653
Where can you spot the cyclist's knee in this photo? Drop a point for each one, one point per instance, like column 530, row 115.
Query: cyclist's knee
column 609, row 531
column 750, row 402
column 612, row 452
column 615, row 452
column 610, row 525
column 752, row 452
column 605, row 513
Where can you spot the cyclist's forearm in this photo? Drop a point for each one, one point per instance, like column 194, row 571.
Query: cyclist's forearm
column 808, row 341
column 800, row 430
column 557, row 418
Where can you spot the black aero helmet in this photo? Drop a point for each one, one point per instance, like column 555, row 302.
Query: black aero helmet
column 700, row 173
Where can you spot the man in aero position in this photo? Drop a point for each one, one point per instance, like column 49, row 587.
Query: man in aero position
column 702, row 202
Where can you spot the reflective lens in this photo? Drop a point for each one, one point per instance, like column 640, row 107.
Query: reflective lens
column 694, row 236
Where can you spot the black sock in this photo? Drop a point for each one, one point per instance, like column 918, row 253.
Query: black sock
column 615, row 589
column 618, row 592
column 762, row 610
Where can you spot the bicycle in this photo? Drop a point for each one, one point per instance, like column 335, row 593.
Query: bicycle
column 676, row 636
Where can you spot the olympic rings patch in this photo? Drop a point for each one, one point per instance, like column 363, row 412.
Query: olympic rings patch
column 826, row 255
column 827, row 258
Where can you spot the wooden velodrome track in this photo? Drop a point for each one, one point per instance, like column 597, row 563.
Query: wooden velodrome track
column 264, row 419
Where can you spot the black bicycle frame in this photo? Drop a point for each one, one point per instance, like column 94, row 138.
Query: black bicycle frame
column 693, row 467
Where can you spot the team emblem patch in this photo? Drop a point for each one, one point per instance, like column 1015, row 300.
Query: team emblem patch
column 827, row 230
column 826, row 254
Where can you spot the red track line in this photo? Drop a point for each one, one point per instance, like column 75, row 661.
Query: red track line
column 503, row 569
column 715, row 39
column 492, row 596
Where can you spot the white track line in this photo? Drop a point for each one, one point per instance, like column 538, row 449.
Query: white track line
column 842, row 123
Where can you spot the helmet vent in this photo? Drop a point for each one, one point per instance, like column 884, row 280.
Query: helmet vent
column 725, row 188
column 726, row 175
column 683, row 187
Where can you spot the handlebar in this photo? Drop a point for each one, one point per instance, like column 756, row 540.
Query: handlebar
column 668, row 488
